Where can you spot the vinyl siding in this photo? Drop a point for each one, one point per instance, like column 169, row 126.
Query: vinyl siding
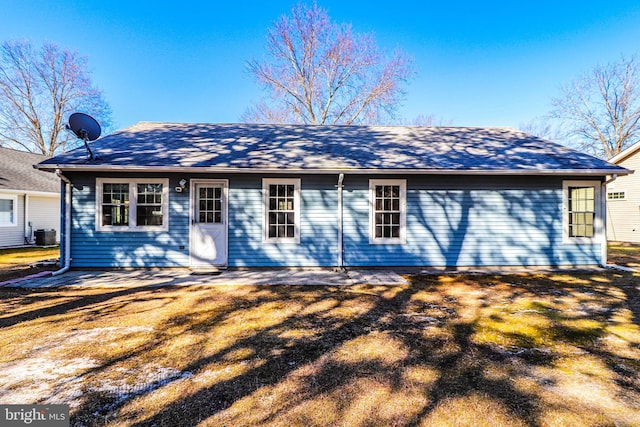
column 14, row 235
column 44, row 213
column 318, row 225
column 623, row 216
column 464, row 221
column 90, row 248
column 451, row 221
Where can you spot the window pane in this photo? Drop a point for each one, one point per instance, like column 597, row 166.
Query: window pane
column 6, row 211
column 281, row 211
column 581, row 211
column 115, row 215
column 149, row 215
column 115, row 204
column 387, row 211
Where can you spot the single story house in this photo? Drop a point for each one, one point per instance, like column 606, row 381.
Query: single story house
column 29, row 198
column 258, row 195
column 623, row 199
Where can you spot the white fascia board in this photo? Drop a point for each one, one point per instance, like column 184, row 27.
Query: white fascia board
column 182, row 169
column 625, row 153
column 29, row 193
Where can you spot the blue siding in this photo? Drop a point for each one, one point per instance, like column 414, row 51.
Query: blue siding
column 451, row 221
column 91, row 248
column 318, row 225
column 468, row 221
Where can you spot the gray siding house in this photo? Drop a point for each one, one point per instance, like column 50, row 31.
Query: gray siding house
column 29, row 198
column 252, row 195
column 623, row 199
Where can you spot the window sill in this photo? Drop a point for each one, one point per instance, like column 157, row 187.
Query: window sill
column 387, row 241
column 282, row 241
column 580, row 241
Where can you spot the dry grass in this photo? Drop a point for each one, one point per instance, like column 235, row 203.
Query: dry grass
column 624, row 254
column 17, row 262
column 517, row 350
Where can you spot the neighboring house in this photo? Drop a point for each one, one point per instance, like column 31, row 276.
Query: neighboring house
column 29, row 198
column 250, row 195
column 623, row 199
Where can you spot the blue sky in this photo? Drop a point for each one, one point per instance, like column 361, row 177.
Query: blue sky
column 491, row 63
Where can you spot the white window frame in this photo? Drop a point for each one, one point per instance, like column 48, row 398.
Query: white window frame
column 597, row 220
column 14, row 198
column 266, row 182
column 402, row 183
column 133, row 204
column 624, row 195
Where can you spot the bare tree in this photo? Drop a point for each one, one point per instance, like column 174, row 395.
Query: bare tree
column 543, row 127
column 601, row 110
column 320, row 72
column 428, row 120
column 39, row 89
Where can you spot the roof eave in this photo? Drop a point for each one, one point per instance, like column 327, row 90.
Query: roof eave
column 185, row 169
column 625, row 153
column 30, row 192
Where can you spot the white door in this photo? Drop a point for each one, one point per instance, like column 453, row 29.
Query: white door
column 208, row 245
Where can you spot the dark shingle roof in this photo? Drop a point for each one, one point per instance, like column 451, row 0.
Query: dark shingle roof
column 17, row 172
column 330, row 148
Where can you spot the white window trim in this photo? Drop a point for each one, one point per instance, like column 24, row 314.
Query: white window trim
column 617, row 191
column 133, row 204
column 266, row 182
column 14, row 223
column 403, row 212
column 598, row 227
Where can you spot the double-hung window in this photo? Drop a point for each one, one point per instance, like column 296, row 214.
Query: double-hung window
column 387, row 213
column 281, row 200
column 581, row 210
column 8, row 210
column 124, row 204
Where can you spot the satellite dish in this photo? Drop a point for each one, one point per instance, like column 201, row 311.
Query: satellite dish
column 84, row 127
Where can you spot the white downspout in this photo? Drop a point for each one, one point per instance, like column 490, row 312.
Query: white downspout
column 603, row 215
column 67, row 224
column 25, row 225
column 340, row 246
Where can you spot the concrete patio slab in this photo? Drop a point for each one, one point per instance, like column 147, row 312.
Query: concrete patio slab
column 183, row 277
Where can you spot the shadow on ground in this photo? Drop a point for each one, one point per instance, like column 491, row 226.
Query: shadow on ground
column 444, row 350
